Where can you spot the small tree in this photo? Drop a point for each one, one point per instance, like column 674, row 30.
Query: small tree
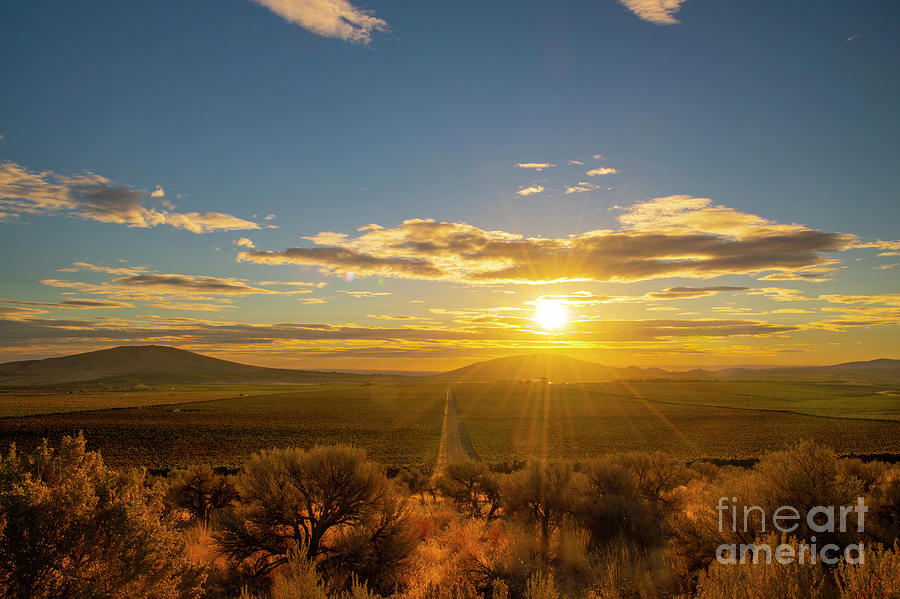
column 542, row 493
column 310, row 500
column 201, row 491
column 472, row 487
column 70, row 527
column 417, row 482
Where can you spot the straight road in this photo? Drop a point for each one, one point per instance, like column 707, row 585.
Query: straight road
column 455, row 443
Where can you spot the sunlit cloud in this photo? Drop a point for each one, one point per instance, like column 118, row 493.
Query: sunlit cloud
column 94, row 197
column 359, row 294
column 243, row 242
column 329, row 18
column 659, row 12
column 175, row 284
column 581, row 187
column 111, row 270
column 676, row 236
column 538, row 166
column 530, row 190
column 691, row 292
column 603, row 170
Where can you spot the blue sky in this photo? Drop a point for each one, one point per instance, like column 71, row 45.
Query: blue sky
column 235, row 108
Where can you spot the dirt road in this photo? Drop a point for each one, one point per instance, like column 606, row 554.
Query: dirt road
column 455, row 443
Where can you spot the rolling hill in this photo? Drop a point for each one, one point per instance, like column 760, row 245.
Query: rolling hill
column 563, row 368
column 550, row 366
column 152, row 364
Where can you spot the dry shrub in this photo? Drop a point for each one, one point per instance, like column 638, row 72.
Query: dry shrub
column 624, row 570
column 765, row 580
column 71, row 527
column 878, row 577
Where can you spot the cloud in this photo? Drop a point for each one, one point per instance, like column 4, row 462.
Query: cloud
column 329, row 18
column 810, row 275
column 390, row 317
column 576, row 162
column 538, row 166
column 530, row 190
column 159, row 192
column 180, row 284
column 319, row 284
column 603, row 170
column 243, row 242
column 312, row 300
column 76, row 304
column 158, row 290
column 118, row 270
column 25, row 329
column 659, row 12
column 691, row 292
column 666, row 237
column 364, row 293
column 94, row 197
column 581, row 187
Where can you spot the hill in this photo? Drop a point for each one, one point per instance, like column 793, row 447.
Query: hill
column 152, row 364
column 535, row 366
column 563, row 368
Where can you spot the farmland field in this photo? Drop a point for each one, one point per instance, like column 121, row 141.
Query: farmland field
column 26, row 402
column 400, row 424
column 830, row 399
column 397, row 425
column 509, row 421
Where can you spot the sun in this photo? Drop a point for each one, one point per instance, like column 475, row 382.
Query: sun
column 551, row 315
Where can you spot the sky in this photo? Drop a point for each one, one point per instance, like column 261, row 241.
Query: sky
column 416, row 186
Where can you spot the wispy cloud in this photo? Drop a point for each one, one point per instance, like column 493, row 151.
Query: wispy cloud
column 691, row 292
column 359, row 294
column 94, row 197
column 665, row 237
column 75, row 304
column 538, row 166
column 530, row 190
column 329, row 18
column 581, row 187
column 176, row 284
column 659, row 12
column 110, row 270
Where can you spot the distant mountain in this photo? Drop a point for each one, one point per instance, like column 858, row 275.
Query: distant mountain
column 550, row 366
column 563, row 368
column 152, row 364
column 882, row 370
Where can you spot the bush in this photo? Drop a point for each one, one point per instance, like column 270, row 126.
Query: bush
column 472, row 487
column 543, row 494
column 878, row 577
column 764, row 580
column 71, row 527
column 328, row 501
column 201, row 492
